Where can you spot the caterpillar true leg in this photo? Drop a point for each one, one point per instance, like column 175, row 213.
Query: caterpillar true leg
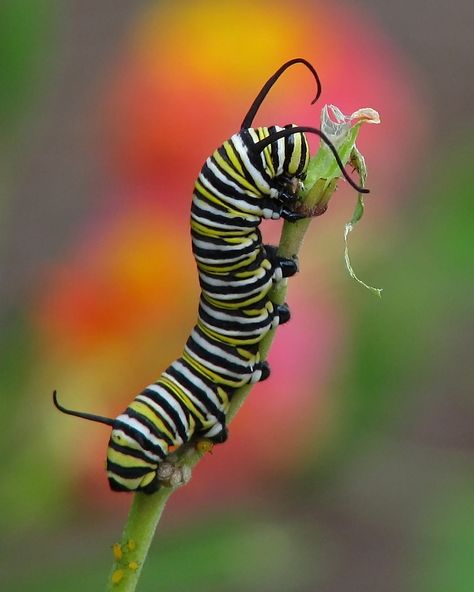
column 283, row 313
column 291, row 216
column 287, row 265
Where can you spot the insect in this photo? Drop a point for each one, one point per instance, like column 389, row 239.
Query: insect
column 254, row 175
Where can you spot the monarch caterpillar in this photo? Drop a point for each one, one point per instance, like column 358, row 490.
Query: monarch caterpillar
column 254, row 175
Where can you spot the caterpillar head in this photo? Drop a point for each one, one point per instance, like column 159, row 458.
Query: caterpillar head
column 289, row 157
column 295, row 144
column 293, row 131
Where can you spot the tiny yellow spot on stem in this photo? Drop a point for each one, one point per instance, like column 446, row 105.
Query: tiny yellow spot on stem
column 204, row 445
column 117, row 551
column 131, row 545
column 133, row 565
column 117, row 576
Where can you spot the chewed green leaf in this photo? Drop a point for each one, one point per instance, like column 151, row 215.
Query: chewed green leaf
column 323, row 171
column 357, row 160
column 359, row 210
column 342, row 131
column 347, row 229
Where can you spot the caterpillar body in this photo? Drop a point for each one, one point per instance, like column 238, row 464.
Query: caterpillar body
column 254, row 175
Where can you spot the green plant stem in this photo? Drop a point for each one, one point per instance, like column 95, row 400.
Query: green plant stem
column 143, row 518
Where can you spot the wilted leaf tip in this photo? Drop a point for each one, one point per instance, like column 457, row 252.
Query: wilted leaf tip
column 336, row 125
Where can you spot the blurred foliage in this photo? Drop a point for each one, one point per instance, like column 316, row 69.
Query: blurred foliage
column 26, row 28
column 426, row 266
column 445, row 540
column 17, row 352
column 237, row 552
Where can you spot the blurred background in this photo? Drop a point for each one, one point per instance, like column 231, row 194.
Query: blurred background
column 351, row 468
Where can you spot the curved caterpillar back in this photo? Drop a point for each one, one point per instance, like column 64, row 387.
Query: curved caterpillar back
column 254, row 175
column 237, row 188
